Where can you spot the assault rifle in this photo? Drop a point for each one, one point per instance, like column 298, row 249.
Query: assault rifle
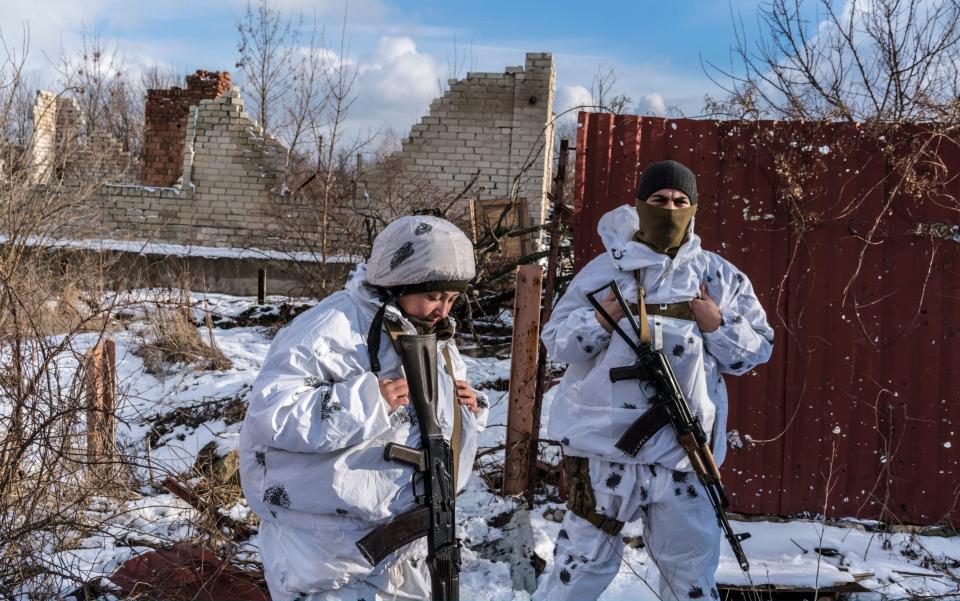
column 433, row 516
column 669, row 407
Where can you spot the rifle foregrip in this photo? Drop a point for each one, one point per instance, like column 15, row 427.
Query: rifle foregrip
column 709, row 462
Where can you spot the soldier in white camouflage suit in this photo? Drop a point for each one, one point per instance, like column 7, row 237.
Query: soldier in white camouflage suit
column 328, row 399
column 703, row 314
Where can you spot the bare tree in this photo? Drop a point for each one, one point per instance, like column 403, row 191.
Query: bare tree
column 160, row 77
column 16, row 99
column 602, row 89
column 890, row 61
column 457, row 62
column 266, row 51
column 92, row 73
column 110, row 102
column 307, row 101
column 339, row 81
column 52, row 306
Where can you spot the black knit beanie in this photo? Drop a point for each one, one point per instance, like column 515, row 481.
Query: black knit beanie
column 667, row 174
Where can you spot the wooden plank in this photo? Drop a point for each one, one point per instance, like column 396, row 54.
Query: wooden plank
column 785, row 592
column 101, row 401
column 555, row 232
column 523, row 378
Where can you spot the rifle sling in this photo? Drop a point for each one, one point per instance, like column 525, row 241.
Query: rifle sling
column 641, row 310
column 680, row 310
column 401, row 530
column 395, row 330
column 456, row 435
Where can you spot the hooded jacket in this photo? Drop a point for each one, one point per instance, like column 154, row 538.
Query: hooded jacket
column 312, row 442
column 589, row 413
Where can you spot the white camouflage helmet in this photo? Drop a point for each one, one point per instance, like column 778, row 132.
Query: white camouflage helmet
column 423, row 251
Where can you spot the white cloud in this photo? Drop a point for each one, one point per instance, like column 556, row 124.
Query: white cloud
column 568, row 97
column 58, row 27
column 397, row 71
column 652, row 104
column 406, row 77
column 394, row 86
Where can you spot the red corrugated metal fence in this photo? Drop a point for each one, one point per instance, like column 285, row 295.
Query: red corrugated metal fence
column 863, row 389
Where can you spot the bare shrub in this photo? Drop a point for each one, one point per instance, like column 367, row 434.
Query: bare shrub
column 54, row 307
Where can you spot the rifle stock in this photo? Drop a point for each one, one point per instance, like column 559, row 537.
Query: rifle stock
column 401, row 530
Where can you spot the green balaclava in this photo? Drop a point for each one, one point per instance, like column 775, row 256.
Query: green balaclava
column 665, row 230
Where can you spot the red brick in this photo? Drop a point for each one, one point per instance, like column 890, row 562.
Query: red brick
column 165, row 117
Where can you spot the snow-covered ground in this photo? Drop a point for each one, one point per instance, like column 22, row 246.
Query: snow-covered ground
column 893, row 566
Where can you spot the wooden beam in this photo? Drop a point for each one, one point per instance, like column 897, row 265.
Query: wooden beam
column 547, row 309
column 523, row 378
column 101, row 401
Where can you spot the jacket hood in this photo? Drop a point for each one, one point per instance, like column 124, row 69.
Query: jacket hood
column 617, row 228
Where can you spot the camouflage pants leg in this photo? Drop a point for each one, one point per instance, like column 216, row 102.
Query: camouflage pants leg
column 679, row 530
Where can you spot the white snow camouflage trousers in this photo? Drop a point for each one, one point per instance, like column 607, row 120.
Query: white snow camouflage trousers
column 680, row 532
column 288, row 567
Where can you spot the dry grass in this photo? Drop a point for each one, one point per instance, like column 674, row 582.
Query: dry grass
column 53, row 300
column 174, row 339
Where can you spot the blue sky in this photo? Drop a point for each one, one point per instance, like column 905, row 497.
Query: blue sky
column 405, row 47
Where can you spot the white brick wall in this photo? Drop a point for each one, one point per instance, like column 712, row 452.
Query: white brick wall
column 486, row 122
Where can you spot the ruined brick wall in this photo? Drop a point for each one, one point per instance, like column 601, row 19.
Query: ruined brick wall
column 232, row 176
column 63, row 152
column 165, row 123
column 221, row 183
column 497, row 126
column 44, row 142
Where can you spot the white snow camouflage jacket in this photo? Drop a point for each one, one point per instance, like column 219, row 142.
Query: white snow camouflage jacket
column 589, row 413
column 312, row 441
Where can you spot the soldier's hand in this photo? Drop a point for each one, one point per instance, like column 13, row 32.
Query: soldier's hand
column 394, row 392
column 467, row 397
column 706, row 311
column 612, row 307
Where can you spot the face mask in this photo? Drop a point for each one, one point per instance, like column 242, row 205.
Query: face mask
column 663, row 230
column 443, row 328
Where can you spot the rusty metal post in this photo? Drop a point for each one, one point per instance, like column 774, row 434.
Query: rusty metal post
column 523, row 378
column 101, row 401
column 261, row 285
column 547, row 309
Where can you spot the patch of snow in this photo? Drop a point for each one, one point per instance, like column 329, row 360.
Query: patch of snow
column 182, row 250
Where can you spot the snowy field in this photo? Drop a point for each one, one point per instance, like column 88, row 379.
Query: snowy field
column 892, row 566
